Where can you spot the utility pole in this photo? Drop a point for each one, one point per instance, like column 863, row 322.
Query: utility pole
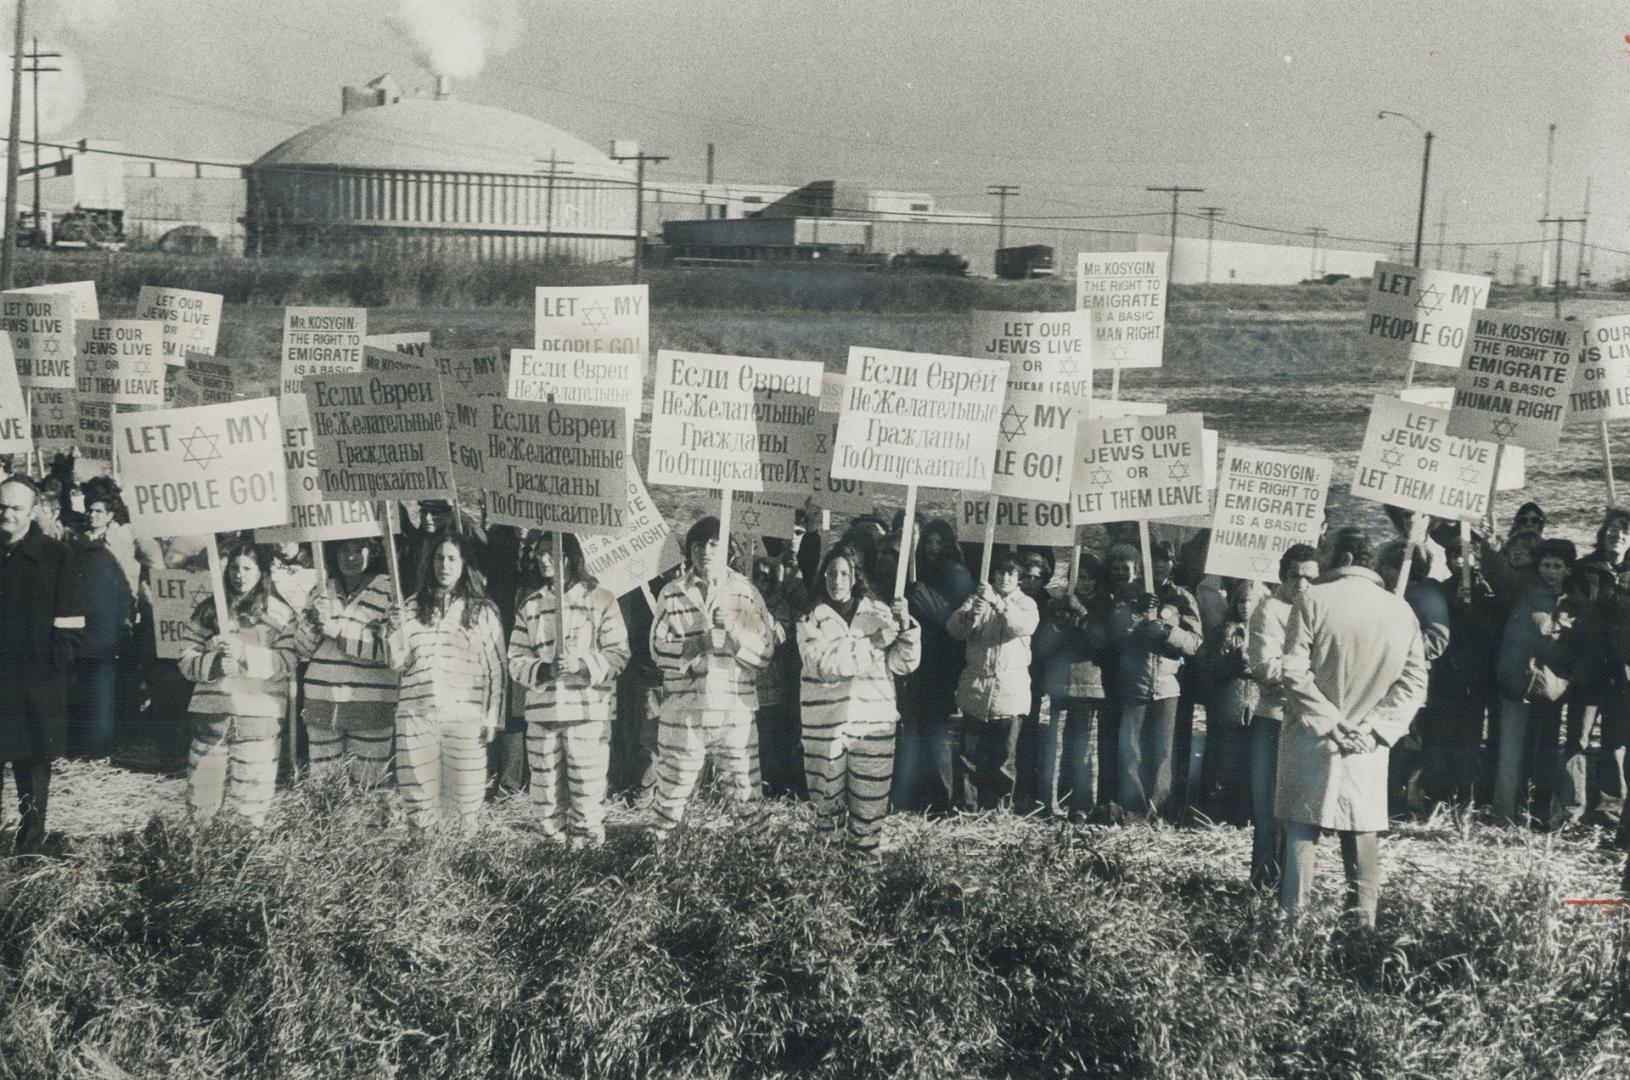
column 1211, row 213
column 550, row 169
column 1317, row 233
column 35, row 68
column 1001, row 191
column 1556, row 292
column 1494, row 268
column 1579, row 271
column 1443, row 227
column 1545, row 207
column 8, row 248
column 632, row 152
column 1462, row 267
column 1171, row 259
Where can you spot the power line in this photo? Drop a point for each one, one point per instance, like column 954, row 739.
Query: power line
column 1175, row 192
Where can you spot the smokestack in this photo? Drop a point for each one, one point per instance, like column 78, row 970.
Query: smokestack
column 710, row 163
column 444, row 87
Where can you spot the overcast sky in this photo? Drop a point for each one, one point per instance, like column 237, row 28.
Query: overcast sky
column 1267, row 104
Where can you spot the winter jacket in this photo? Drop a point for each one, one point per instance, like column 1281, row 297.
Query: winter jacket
column 846, row 675
column 1073, row 650
column 996, row 680
column 349, row 682
column 1233, row 695
column 1150, row 651
column 594, row 632
column 931, row 689
column 108, row 603
column 42, row 616
column 1534, row 639
column 1353, row 661
column 256, row 696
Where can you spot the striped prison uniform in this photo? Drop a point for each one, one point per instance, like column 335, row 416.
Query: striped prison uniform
column 849, row 714
column 350, row 700
column 707, row 700
column 451, row 699
column 568, row 718
column 236, row 718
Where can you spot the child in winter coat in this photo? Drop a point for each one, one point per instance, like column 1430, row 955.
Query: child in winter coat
column 994, row 691
column 853, row 646
column 242, row 677
column 1072, row 643
column 1536, row 659
column 569, row 692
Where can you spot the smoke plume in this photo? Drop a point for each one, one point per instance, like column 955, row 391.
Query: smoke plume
column 456, row 37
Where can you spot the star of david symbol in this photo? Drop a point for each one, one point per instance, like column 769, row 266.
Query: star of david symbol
column 196, row 334
column 89, row 365
column 1121, row 354
column 1178, row 470
column 594, row 315
column 200, row 592
column 1468, row 474
column 1100, row 476
column 56, row 413
column 750, row 518
column 50, row 345
column 1068, row 366
column 464, row 373
column 1503, row 429
column 142, row 367
column 1430, row 302
column 201, row 448
column 1391, row 458
column 1013, row 423
column 820, row 443
column 1261, row 563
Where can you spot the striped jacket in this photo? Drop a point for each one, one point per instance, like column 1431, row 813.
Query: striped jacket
column 450, row 675
column 349, row 679
column 594, row 632
column 679, row 644
column 846, row 676
column 262, row 688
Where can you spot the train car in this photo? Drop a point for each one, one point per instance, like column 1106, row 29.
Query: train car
column 1028, row 261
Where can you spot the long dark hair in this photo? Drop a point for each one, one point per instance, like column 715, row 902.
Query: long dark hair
column 330, row 554
column 471, row 586
column 862, row 589
column 252, row 603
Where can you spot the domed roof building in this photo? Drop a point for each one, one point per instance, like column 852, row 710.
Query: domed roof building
column 439, row 177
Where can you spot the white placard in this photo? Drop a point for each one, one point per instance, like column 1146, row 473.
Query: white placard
column 555, row 466
column 1601, row 381
column 1421, row 315
column 55, row 422
column 609, row 379
column 81, row 293
column 580, row 319
column 1267, row 501
column 214, row 468
column 1514, row 381
column 380, row 435
column 311, row 517
column 758, row 514
column 1126, row 293
column 324, row 340
column 919, row 418
column 830, row 493
column 1410, row 460
column 16, row 437
column 1018, row 521
column 120, row 361
column 410, row 343
column 41, row 329
column 1513, row 463
column 1140, row 468
column 1049, row 381
column 191, row 320
column 646, row 548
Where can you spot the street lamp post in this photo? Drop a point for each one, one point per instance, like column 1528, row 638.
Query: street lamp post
column 1426, row 166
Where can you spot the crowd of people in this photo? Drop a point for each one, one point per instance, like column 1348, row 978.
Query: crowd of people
column 1331, row 702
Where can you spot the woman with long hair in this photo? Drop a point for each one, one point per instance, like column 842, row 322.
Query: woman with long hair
column 923, row 776
column 570, row 685
column 242, row 676
column 449, row 647
column 350, row 687
column 853, row 646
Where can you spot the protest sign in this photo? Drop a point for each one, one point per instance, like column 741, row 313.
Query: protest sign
column 918, row 418
column 1421, row 316
column 1410, row 460
column 324, row 340
column 1514, row 380
column 466, row 438
column 120, row 361
column 312, row 517
column 830, row 493
column 1267, row 501
column 176, row 595
column 209, row 469
column 612, row 379
column 1139, row 468
column 414, row 343
column 1116, row 407
column 379, row 359
column 593, row 319
column 741, row 423
column 1126, row 293
column 1018, row 521
column 55, row 422
column 16, row 437
column 191, row 320
column 1513, row 463
column 475, row 372
column 645, row 548
column 202, row 381
column 81, row 295
column 380, row 435
column 831, row 392
column 1049, row 380
column 41, row 330
column 1601, row 382
column 758, row 514
column 93, row 438
column 559, row 467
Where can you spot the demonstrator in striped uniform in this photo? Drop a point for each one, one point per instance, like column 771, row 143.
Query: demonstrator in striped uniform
column 350, row 687
column 853, row 646
column 449, row 646
column 242, row 674
column 569, row 692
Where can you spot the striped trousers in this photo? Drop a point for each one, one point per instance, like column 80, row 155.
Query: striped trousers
column 849, row 766
column 687, row 739
column 569, row 765
column 232, row 762
column 441, row 771
column 365, row 754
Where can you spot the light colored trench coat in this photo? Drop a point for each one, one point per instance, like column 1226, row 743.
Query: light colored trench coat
column 1353, row 661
